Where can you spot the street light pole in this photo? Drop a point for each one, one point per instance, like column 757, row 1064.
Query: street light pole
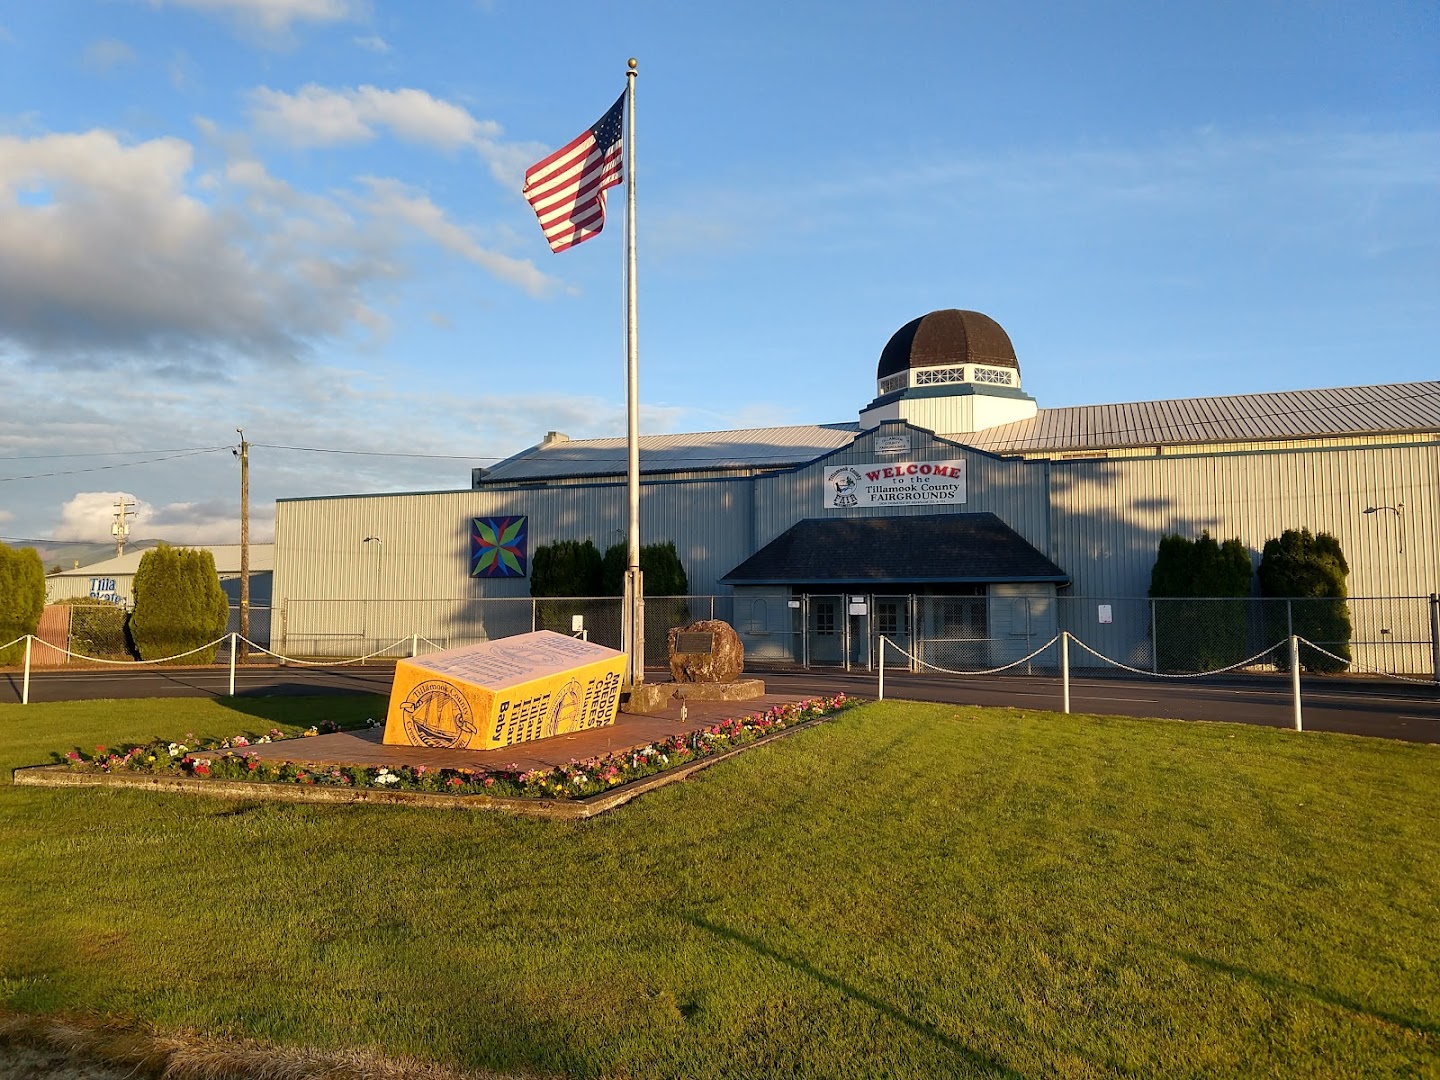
column 1399, row 511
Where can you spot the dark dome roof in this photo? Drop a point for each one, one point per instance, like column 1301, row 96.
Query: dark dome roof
column 947, row 337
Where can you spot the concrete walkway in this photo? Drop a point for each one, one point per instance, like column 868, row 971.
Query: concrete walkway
column 628, row 732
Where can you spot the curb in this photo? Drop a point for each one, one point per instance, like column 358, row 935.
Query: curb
column 62, row 776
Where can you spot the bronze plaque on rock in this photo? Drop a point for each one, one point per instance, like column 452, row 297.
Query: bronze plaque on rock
column 695, row 644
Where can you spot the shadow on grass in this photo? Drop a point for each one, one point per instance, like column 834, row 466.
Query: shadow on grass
column 1277, row 983
column 974, row 1057
column 287, row 704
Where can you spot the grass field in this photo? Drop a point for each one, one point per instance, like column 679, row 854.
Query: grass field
column 908, row 891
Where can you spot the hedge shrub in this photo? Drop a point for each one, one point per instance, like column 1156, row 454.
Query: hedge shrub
column 660, row 563
column 1197, row 626
column 22, row 598
column 179, row 604
column 1309, row 570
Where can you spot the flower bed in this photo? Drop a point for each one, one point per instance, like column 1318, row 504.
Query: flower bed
column 228, row 760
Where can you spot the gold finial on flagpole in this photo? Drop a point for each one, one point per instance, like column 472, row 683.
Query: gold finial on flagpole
column 631, row 63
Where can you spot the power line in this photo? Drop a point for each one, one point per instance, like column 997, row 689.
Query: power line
column 108, row 453
column 376, row 453
column 52, row 540
column 117, row 465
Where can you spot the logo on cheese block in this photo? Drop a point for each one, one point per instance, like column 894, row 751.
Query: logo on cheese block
column 437, row 714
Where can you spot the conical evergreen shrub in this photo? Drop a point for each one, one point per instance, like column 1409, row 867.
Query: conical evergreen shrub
column 179, row 604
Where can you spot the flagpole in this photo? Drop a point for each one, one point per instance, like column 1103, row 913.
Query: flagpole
column 633, row 619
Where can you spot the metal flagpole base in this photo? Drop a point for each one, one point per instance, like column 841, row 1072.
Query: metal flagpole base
column 632, row 629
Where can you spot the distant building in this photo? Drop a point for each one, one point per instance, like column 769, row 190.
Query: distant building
column 112, row 579
column 954, row 508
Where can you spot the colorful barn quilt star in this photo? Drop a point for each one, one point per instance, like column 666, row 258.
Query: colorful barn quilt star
column 498, row 547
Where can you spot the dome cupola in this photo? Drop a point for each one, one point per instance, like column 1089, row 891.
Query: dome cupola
column 949, row 346
column 950, row 371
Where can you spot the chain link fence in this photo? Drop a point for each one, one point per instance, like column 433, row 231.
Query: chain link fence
column 1391, row 634
column 344, row 628
column 780, row 629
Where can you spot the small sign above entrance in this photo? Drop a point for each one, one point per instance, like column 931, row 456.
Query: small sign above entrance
column 891, row 444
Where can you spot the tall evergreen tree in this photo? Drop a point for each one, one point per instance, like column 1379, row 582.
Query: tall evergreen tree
column 22, row 599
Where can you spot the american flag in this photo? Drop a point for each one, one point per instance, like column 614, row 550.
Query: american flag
column 567, row 189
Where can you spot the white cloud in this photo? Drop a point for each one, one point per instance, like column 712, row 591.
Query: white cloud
column 398, row 201
column 106, row 54
column 318, row 116
column 195, row 498
column 373, row 43
column 108, row 253
column 273, row 17
column 90, row 515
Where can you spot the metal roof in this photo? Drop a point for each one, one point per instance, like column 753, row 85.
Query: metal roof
column 850, row 551
column 1290, row 414
column 751, row 448
column 227, row 561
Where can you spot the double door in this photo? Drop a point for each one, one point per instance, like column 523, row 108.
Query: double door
column 843, row 630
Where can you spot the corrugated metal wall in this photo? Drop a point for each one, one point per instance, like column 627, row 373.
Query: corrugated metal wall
column 1109, row 516
column 422, row 550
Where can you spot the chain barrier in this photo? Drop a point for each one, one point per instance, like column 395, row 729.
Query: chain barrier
column 160, row 660
column 988, row 671
column 1171, row 675
column 1357, row 669
column 17, row 641
column 328, row 663
column 435, row 644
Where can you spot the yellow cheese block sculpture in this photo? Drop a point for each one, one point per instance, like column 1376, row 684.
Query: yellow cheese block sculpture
column 498, row 693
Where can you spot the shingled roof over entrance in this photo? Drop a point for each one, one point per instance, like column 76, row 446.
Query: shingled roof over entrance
column 948, row 548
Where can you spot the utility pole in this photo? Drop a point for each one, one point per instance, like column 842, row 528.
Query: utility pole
column 124, row 511
column 244, row 454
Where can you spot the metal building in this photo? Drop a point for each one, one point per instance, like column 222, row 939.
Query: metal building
column 992, row 521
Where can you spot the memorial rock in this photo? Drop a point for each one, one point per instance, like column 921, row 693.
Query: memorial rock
column 708, row 651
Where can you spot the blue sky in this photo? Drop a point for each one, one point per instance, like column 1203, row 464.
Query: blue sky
column 302, row 217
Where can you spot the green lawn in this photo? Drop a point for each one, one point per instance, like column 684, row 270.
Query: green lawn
column 908, row 891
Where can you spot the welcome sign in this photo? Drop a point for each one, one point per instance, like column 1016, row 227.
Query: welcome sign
column 933, row 483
